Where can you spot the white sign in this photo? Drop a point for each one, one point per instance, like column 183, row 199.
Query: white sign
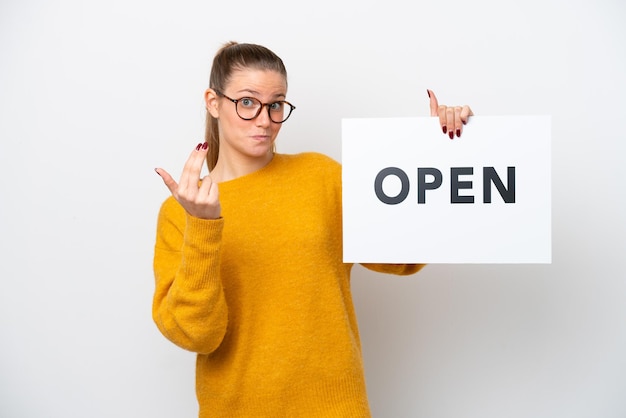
column 412, row 195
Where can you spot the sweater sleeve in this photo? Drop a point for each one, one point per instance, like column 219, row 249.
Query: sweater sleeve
column 399, row 269
column 189, row 306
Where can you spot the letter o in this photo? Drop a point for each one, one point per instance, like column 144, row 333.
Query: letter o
column 378, row 185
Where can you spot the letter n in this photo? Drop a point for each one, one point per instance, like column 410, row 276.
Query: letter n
column 491, row 176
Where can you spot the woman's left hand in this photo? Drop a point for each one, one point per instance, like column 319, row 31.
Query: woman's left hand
column 451, row 118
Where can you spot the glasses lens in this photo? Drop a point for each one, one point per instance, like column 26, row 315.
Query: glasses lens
column 248, row 107
column 279, row 111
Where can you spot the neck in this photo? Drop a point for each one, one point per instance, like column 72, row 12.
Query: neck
column 229, row 168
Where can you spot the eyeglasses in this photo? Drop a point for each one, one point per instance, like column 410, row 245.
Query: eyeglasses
column 248, row 108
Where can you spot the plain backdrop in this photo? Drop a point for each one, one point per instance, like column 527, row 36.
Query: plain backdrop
column 95, row 94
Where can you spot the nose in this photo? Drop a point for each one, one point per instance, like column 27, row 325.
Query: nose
column 263, row 119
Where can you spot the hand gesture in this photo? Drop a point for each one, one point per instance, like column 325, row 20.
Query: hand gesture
column 199, row 197
column 451, row 118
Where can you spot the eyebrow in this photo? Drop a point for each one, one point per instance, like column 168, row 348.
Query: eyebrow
column 254, row 92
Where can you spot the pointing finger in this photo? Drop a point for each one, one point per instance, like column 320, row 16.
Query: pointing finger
column 191, row 171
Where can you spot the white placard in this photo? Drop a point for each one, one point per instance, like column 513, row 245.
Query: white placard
column 407, row 190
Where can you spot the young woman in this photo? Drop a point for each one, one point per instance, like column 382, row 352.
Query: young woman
column 248, row 259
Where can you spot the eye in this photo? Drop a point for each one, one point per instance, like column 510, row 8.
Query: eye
column 277, row 106
column 248, row 102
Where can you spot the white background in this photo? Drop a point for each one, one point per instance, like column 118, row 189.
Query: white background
column 95, row 94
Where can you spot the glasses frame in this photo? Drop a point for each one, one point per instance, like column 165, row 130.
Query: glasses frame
column 236, row 102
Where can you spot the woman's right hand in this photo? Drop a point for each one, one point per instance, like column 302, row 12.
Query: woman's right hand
column 199, row 197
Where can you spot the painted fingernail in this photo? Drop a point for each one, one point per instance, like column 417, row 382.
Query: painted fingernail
column 428, row 91
column 458, row 133
column 205, row 145
column 464, row 122
column 444, row 129
column 156, row 171
column 451, row 134
column 198, row 147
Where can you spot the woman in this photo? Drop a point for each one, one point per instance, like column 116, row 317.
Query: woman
column 248, row 259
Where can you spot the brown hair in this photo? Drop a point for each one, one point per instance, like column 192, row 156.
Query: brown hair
column 231, row 57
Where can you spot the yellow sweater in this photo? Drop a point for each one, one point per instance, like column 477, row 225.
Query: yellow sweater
column 263, row 296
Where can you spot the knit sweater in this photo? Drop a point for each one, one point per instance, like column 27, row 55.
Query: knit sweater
column 263, row 297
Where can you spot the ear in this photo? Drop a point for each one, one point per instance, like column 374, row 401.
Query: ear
column 211, row 102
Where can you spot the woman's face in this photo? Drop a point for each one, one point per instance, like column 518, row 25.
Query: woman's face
column 248, row 139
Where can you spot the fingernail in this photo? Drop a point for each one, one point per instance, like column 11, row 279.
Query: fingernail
column 205, row 145
column 451, row 134
column 198, row 147
column 458, row 133
column 464, row 122
column 444, row 129
column 428, row 91
column 155, row 170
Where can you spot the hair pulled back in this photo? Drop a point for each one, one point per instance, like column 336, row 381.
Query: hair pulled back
column 231, row 57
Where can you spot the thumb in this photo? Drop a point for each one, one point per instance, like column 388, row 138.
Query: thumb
column 434, row 104
column 168, row 180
